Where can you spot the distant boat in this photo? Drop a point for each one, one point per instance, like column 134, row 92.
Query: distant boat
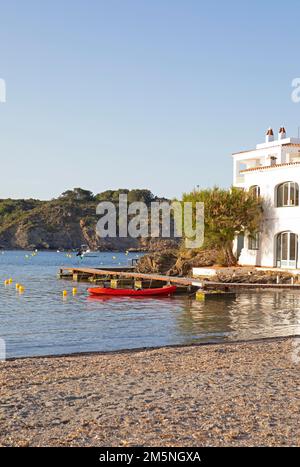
column 85, row 252
column 133, row 292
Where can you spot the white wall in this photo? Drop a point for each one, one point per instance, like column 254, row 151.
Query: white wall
column 275, row 220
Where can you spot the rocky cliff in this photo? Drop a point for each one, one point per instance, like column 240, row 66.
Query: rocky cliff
column 67, row 222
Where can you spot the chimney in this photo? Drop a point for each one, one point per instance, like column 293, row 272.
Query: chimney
column 269, row 136
column 282, row 133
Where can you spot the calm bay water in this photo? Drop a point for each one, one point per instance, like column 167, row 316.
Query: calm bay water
column 41, row 321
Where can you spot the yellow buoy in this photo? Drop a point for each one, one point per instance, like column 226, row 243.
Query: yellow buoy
column 21, row 288
column 74, row 290
column 10, row 281
column 17, row 286
column 5, row 282
column 200, row 296
column 65, row 293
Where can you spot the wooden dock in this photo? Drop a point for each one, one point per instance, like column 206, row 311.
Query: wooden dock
column 78, row 273
column 124, row 276
column 247, row 285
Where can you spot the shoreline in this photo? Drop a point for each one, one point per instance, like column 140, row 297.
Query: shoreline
column 233, row 394
column 153, row 348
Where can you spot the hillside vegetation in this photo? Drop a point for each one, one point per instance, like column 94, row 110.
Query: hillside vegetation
column 67, row 222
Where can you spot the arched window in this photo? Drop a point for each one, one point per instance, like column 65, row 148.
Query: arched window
column 254, row 190
column 286, row 250
column 288, row 194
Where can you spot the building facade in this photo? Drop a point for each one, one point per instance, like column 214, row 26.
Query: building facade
column 272, row 171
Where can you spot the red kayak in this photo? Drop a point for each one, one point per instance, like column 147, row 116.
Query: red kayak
column 132, row 292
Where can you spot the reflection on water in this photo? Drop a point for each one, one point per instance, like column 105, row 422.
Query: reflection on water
column 242, row 316
column 41, row 322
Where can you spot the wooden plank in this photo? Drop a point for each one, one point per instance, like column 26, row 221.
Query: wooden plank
column 135, row 275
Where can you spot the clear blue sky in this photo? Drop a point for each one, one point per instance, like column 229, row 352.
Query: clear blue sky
column 140, row 93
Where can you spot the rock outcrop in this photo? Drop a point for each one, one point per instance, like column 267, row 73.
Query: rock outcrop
column 192, row 259
column 176, row 262
column 159, row 262
column 251, row 275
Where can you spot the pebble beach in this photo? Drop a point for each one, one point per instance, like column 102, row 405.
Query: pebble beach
column 241, row 394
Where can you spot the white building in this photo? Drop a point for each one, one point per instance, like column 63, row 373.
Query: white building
column 272, row 170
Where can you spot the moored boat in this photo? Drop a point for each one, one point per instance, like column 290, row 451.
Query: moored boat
column 132, row 292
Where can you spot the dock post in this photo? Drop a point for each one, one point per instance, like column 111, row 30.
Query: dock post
column 138, row 284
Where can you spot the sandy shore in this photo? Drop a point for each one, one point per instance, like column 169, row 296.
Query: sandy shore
column 232, row 395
